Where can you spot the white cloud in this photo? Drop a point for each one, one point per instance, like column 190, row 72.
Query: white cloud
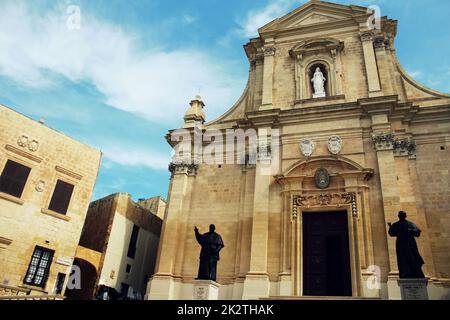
column 188, row 19
column 257, row 18
column 137, row 156
column 155, row 83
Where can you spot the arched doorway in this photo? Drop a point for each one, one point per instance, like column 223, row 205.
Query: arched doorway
column 324, row 221
column 88, row 279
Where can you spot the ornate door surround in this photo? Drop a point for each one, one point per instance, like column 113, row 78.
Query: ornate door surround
column 348, row 191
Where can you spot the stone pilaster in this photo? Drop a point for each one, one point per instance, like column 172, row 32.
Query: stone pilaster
column 384, row 146
column 373, row 78
column 161, row 286
column 267, row 98
column 256, row 282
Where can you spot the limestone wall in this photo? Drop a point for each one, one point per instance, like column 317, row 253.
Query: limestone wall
column 25, row 221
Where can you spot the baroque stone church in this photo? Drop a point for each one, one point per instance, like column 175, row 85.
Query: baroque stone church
column 359, row 140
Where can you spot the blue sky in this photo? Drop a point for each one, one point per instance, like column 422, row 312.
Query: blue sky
column 122, row 80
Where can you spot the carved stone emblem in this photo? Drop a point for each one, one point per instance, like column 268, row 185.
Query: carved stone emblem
column 22, row 141
column 40, row 186
column 335, row 144
column 307, row 147
column 322, row 178
column 33, row 145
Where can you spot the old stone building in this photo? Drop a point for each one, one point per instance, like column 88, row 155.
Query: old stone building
column 359, row 140
column 118, row 247
column 46, row 184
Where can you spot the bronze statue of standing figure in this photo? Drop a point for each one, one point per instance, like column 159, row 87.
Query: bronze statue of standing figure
column 211, row 243
column 408, row 258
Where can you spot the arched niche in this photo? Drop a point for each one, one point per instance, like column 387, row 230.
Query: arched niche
column 317, row 51
column 309, row 72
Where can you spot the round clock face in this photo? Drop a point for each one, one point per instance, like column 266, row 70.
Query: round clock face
column 322, row 178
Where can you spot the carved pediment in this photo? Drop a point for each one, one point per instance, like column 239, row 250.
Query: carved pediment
column 314, row 13
column 312, row 18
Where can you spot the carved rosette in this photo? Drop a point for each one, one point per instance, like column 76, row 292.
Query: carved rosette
column 183, row 168
column 324, row 200
column 22, row 141
column 384, row 141
column 405, row 147
column 40, row 186
column 25, row 142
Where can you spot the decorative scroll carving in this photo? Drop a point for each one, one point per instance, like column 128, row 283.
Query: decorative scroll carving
column 405, row 147
column 380, row 42
column 183, row 168
column 257, row 58
column 366, row 36
column 324, row 200
column 269, row 51
column 384, row 141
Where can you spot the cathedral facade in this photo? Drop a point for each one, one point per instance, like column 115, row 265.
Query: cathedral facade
column 355, row 140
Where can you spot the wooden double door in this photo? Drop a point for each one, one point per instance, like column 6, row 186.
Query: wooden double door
column 326, row 256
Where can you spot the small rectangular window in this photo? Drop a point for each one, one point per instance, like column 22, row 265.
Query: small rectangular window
column 39, row 267
column 128, row 269
column 61, row 197
column 59, row 283
column 13, row 178
column 133, row 241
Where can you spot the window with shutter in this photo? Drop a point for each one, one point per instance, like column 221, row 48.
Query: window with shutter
column 13, row 178
column 39, row 267
column 61, row 197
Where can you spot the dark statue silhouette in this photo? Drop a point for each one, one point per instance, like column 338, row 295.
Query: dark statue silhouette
column 211, row 243
column 408, row 258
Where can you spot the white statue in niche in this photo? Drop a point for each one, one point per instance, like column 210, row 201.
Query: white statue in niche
column 318, row 81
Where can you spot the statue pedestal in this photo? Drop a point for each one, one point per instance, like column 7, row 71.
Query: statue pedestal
column 319, row 95
column 206, row 290
column 413, row 289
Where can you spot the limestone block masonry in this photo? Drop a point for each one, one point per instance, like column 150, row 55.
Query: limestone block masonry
column 392, row 153
column 26, row 222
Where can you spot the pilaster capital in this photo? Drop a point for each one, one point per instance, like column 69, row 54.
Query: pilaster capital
column 366, row 36
column 383, row 141
column 405, row 147
column 269, row 51
column 188, row 168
